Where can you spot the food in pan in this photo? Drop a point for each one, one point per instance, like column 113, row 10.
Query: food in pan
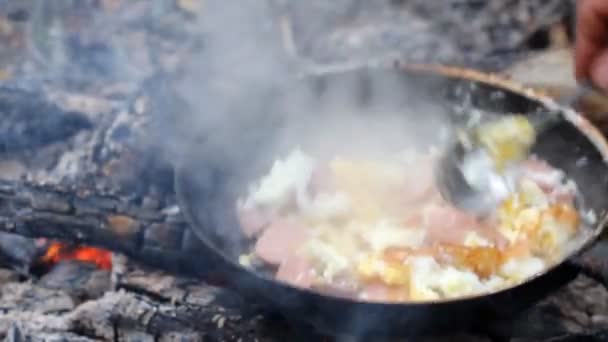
column 378, row 230
column 506, row 140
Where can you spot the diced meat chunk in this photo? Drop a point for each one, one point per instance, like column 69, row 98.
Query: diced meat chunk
column 543, row 174
column 279, row 241
column 296, row 270
column 536, row 165
column 446, row 224
column 412, row 219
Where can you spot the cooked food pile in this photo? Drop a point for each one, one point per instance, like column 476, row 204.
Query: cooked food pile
column 506, row 140
column 378, row 230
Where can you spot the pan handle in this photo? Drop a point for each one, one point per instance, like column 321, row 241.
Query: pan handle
column 594, row 262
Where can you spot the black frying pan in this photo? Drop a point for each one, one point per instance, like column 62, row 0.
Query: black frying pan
column 209, row 180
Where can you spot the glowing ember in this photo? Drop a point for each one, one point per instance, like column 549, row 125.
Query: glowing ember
column 58, row 251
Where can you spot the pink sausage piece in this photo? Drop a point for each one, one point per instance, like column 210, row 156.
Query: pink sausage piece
column 450, row 226
column 545, row 176
column 413, row 219
column 253, row 221
column 536, row 165
column 540, row 172
column 279, row 241
column 297, row 271
column 446, row 224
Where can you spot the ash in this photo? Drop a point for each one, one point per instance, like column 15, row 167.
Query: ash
column 88, row 108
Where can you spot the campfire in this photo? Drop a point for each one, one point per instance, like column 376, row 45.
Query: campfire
column 93, row 245
column 58, row 251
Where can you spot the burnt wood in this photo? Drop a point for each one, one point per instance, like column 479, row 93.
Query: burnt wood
column 18, row 252
column 152, row 236
column 30, row 121
column 149, row 304
column 51, row 309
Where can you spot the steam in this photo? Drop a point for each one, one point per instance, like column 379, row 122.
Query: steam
column 249, row 106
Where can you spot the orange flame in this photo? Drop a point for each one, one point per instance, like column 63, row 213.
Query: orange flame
column 58, row 252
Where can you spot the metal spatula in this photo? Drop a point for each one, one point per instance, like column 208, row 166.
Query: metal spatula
column 467, row 177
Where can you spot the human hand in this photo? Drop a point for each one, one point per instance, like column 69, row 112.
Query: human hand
column 591, row 48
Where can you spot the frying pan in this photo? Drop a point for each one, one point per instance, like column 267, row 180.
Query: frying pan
column 209, row 180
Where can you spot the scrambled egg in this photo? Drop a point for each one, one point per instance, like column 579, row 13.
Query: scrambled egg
column 375, row 267
column 432, row 281
column 531, row 194
column 473, row 239
column 286, row 177
column 558, row 225
column 528, row 215
column 519, row 223
column 325, row 206
column 507, row 139
column 421, row 286
column 329, row 261
column 528, row 219
column 425, row 279
column 520, row 269
column 385, row 235
column 455, row 283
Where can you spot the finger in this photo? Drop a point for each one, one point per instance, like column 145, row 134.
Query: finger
column 591, row 34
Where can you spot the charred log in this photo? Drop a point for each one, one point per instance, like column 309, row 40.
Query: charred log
column 30, row 122
column 80, row 280
column 97, row 319
column 21, row 333
column 120, row 314
column 23, row 297
column 18, row 252
column 160, row 238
